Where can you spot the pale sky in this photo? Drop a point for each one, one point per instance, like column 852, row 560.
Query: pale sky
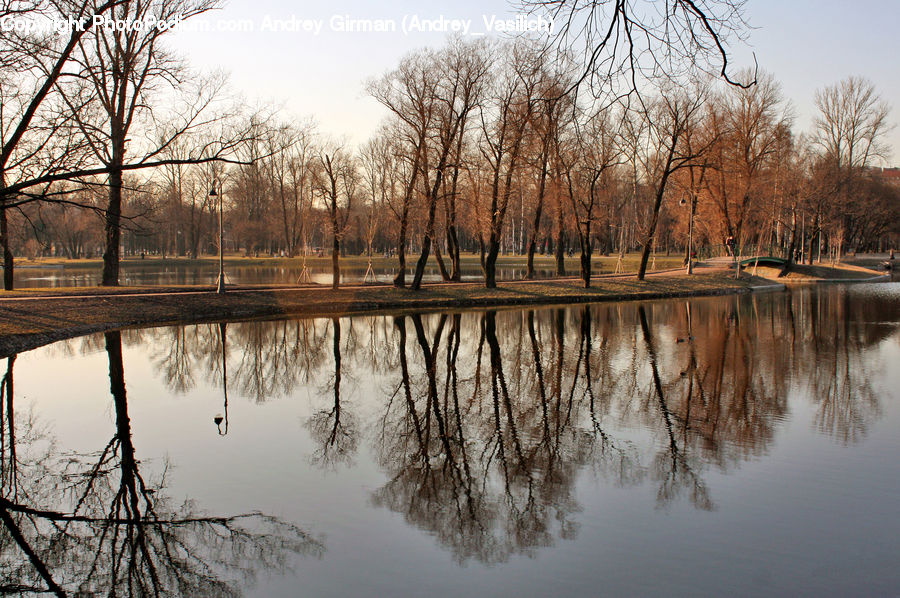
column 806, row 44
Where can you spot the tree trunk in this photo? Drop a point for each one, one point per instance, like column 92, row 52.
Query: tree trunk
column 453, row 250
column 113, row 222
column 560, row 240
column 4, row 240
column 416, row 283
column 335, row 261
column 645, row 252
column 538, row 211
column 452, row 231
column 489, row 265
column 789, row 258
column 651, row 232
column 7, row 254
column 529, row 261
column 426, row 242
column 586, row 258
column 440, row 262
column 400, row 278
column 481, row 257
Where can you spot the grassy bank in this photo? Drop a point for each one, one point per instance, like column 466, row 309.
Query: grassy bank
column 468, row 261
column 28, row 322
column 816, row 273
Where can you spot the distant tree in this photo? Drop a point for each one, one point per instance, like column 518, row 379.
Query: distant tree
column 849, row 132
column 747, row 123
column 669, row 119
column 409, row 92
column 291, row 169
column 587, row 165
column 336, row 182
column 505, row 118
column 381, row 181
column 552, row 113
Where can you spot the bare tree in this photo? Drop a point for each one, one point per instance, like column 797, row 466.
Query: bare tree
column 381, row 182
column 124, row 71
column 554, row 109
column 409, row 92
column 336, row 183
column 291, row 149
column 33, row 140
column 621, row 42
column 748, row 123
column 849, row 132
column 593, row 152
column 852, row 123
column 468, row 66
column 505, row 118
column 669, row 118
column 185, row 187
column 463, row 70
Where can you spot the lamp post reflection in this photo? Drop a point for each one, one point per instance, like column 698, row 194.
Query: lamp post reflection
column 219, row 419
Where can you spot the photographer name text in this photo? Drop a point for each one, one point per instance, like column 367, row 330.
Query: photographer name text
column 339, row 23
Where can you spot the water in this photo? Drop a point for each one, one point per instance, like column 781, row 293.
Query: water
column 207, row 273
column 737, row 446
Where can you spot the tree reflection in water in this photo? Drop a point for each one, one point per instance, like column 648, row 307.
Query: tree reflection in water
column 839, row 381
column 334, row 430
column 484, row 422
column 92, row 524
column 495, row 474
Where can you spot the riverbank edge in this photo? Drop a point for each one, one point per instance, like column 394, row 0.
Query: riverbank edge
column 808, row 281
column 35, row 323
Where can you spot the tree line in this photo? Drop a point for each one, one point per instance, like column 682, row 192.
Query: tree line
column 109, row 145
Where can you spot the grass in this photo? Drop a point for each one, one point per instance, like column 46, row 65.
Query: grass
column 815, row 273
column 468, row 260
column 872, row 261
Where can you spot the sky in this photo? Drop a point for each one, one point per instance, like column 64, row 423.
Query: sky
column 274, row 54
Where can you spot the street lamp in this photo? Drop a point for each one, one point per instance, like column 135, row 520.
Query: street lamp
column 690, row 256
column 220, row 283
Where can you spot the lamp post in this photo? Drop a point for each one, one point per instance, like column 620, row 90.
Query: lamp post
column 690, row 255
column 220, row 283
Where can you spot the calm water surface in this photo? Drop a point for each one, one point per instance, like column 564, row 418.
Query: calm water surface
column 133, row 274
column 738, row 446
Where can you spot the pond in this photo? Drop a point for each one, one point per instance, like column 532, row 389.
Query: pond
column 742, row 446
column 206, row 273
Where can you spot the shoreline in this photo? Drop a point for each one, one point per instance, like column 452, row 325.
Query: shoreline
column 29, row 320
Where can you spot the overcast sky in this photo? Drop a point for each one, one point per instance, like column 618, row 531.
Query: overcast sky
column 806, row 44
